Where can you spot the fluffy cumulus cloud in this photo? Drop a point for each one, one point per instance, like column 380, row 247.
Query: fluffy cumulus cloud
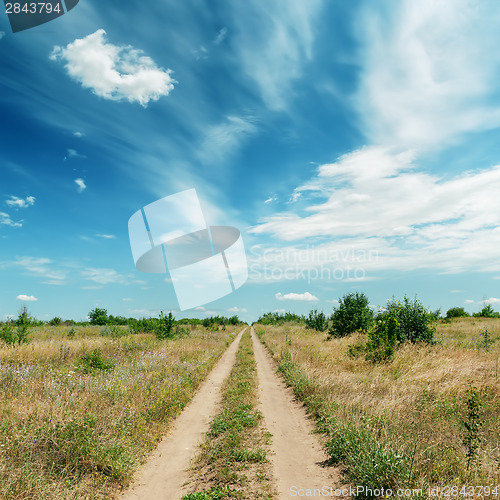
column 27, row 298
column 375, row 201
column 303, row 297
column 118, row 73
column 16, row 202
column 81, row 185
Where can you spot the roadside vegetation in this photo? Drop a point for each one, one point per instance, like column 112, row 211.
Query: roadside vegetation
column 81, row 406
column 403, row 401
column 233, row 459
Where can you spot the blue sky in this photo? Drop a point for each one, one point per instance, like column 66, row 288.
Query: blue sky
column 354, row 144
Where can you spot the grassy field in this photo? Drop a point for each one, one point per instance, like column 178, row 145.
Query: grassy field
column 429, row 418
column 79, row 411
column 232, row 462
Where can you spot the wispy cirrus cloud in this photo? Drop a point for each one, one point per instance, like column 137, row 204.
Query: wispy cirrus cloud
column 428, row 71
column 274, row 42
column 5, row 220
column 118, row 73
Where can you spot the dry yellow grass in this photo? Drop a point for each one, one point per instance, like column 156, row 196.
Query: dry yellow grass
column 415, row 404
column 67, row 432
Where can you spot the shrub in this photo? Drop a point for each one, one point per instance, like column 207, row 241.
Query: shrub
column 55, row 321
column 353, row 314
column 94, row 361
column 317, row 320
column 414, row 321
column 98, row 316
column 8, row 334
column 164, row 327
column 383, row 339
column 114, row 331
column 456, row 312
column 19, row 334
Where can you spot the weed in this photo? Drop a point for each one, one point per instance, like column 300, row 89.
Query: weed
column 472, row 422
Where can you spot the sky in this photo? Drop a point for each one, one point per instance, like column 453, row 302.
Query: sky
column 355, row 145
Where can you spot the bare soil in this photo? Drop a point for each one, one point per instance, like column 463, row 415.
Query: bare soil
column 299, row 462
column 162, row 477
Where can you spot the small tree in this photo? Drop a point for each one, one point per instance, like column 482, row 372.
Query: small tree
column 98, row 316
column 317, row 320
column 353, row 314
column 19, row 334
column 164, row 327
column 487, row 312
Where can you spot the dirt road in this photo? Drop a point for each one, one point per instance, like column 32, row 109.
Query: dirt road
column 297, row 456
column 163, row 475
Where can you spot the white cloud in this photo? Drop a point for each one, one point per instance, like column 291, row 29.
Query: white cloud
column 469, row 301
column 236, row 310
column 270, row 199
column 20, row 202
column 81, row 185
column 428, row 71
column 457, row 291
column 2, row 34
column 118, row 73
column 492, row 300
column 221, row 36
column 127, row 299
column 374, row 200
column 27, row 298
column 305, row 297
column 5, row 220
column 73, row 153
column 78, row 134
column 106, row 236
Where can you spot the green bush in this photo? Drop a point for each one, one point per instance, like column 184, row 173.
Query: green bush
column 94, row 361
column 414, row 321
column 8, row 334
column 456, row 312
column 383, row 339
column 19, row 334
column 317, row 320
column 352, row 315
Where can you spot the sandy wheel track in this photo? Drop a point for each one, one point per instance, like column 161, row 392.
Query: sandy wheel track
column 165, row 472
column 297, row 456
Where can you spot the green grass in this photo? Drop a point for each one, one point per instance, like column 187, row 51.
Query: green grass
column 233, row 462
column 79, row 413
